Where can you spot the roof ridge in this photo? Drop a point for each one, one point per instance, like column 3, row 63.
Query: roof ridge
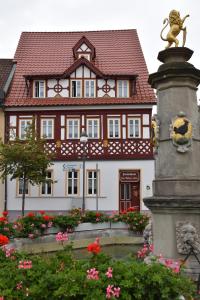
column 102, row 30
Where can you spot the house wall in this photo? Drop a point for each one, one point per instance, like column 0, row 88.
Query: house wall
column 108, row 199
column 2, row 189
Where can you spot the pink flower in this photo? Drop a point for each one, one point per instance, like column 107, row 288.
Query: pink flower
column 116, row 292
column 171, row 264
column 93, row 274
column 31, row 236
column 1, row 297
column 8, row 251
column 19, row 285
column 25, row 264
column 109, row 273
column 112, row 291
column 61, row 237
column 50, row 224
column 43, row 225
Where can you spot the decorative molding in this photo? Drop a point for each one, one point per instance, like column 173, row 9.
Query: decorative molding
column 187, row 236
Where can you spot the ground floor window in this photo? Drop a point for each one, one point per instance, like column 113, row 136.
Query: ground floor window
column 46, row 188
column 91, row 183
column 20, row 185
column 72, row 183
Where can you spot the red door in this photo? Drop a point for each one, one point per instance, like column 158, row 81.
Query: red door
column 129, row 190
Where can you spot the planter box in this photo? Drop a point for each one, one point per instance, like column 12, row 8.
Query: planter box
column 91, row 226
column 52, row 230
column 119, row 225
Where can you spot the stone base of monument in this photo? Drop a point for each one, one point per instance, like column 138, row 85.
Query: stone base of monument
column 175, row 221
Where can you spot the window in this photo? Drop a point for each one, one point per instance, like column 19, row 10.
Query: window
column 39, row 88
column 76, row 88
column 122, row 90
column 114, row 128
column 89, row 88
column 73, row 129
column 20, row 187
column 134, row 128
column 85, row 55
column 47, row 128
column 91, row 183
column 93, row 128
column 24, row 124
column 46, row 188
column 72, row 183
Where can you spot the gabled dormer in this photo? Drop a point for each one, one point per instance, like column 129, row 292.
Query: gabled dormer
column 84, row 48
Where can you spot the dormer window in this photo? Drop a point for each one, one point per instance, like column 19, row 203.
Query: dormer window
column 39, row 89
column 76, row 88
column 85, row 55
column 122, row 88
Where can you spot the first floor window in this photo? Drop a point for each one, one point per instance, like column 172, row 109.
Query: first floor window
column 89, row 88
column 92, row 183
column 24, row 124
column 21, row 186
column 122, row 91
column 93, row 128
column 46, row 188
column 114, row 128
column 72, row 183
column 134, row 128
column 76, row 88
column 47, row 128
column 73, row 128
column 39, row 89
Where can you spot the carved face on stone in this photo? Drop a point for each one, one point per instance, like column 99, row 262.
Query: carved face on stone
column 186, row 234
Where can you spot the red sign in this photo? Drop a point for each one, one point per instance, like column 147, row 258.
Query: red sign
column 129, row 176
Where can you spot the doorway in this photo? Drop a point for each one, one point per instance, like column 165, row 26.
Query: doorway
column 129, row 189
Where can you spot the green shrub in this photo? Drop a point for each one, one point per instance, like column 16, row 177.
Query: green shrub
column 60, row 276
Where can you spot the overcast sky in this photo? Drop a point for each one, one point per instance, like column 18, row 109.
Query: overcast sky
column 72, row 15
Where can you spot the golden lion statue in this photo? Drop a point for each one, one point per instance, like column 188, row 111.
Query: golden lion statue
column 176, row 25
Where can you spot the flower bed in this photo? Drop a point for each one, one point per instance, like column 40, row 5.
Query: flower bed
column 34, row 225
column 60, row 276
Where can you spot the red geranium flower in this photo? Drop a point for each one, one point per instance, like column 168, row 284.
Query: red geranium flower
column 42, row 212
column 98, row 215
column 3, row 240
column 131, row 209
column 123, row 212
column 47, row 218
column 31, row 215
column 3, row 219
column 5, row 213
column 95, row 247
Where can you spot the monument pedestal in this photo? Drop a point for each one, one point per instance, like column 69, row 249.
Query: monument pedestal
column 175, row 204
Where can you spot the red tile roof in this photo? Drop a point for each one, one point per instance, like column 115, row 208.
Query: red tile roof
column 5, row 69
column 118, row 52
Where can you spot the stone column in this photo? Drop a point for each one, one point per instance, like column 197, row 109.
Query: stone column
column 176, row 188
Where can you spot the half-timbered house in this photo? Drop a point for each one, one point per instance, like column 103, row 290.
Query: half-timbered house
column 96, row 82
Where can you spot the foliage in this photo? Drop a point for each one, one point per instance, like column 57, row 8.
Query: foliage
column 66, row 222
column 60, row 276
column 94, row 217
column 33, row 225
column 25, row 159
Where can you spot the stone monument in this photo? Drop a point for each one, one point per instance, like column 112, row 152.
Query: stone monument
column 175, row 204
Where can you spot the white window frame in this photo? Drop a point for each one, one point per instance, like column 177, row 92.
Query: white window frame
column 71, row 86
column 73, row 179
column 91, row 129
column 132, row 135
column 26, row 126
column 94, row 182
column 46, row 185
column 18, row 186
column 90, row 95
column 123, row 88
column 41, row 89
column 73, row 131
column 47, row 128
column 114, row 125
